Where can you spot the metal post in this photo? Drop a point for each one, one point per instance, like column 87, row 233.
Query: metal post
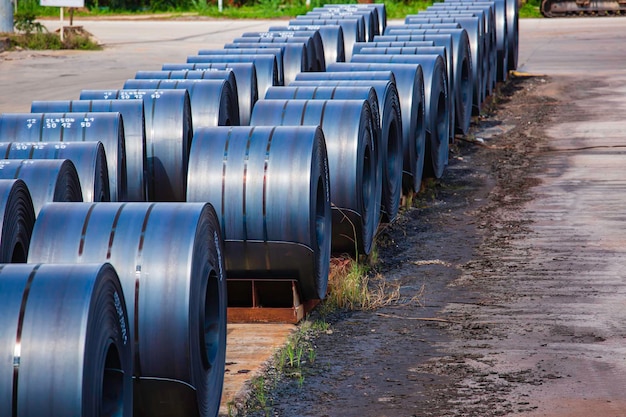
column 6, row 16
column 61, row 30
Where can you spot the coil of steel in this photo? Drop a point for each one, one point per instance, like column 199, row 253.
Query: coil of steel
column 410, row 86
column 316, row 39
column 74, row 127
column 251, row 174
column 309, row 41
column 290, row 58
column 463, row 81
column 442, row 51
column 352, row 162
column 476, row 49
column 48, row 180
column 485, row 16
column 18, row 219
column 363, row 24
column 134, row 136
column 385, row 109
column 64, row 342
column 168, row 136
column 245, row 77
column 169, row 259
column 332, row 39
column 351, row 29
column 370, row 16
column 373, row 12
column 213, row 102
column 388, row 44
column 266, row 67
column 89, row 159
column 512, row 30
column 298, row 53
column 502, row 38
column 393, row 28
column 436, row 109
column 328, row 39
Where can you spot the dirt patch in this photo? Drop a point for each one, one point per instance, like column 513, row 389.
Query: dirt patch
column 424, row 355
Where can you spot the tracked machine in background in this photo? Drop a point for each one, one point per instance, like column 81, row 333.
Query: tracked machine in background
column 566, row 8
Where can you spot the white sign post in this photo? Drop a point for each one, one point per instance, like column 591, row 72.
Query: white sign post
column 62, row 4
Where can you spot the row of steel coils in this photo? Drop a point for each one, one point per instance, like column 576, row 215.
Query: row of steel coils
column 132, row 206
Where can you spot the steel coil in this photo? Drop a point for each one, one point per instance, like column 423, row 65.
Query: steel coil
column 380, row 44
column 213, row 102
column 316, row 40
column 266, row 67
column 273, row 200
column 512, row 30
column 378, row 21
column 332, row 39
column 290, row 58
column 352, row 162
column 169, row 260
column 365, row 30
column 436, row 109
column 89, row 159
column 18, row 219
column 477, row 62
column 386, row 109
column 410, row 86
column 48, row 180
column 74, row 127
column 168, row 136
column 245, row 77
column 351, row 30
column 309, row 41
column 392, row 29
column 444, row 51
column 298, row 53
column 370, row 16
column 502, row 38
column 134, row 136
column 64, row 342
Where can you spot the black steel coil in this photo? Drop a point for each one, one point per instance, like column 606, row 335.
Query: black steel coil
column 18, row 219
column 410, row 87
column 444, row 51
column 272, row 198
column 365, row 28
column 316, row 40
column 245, row 77
column 502, row 37
column 213, row 102
column 266, row 67
column 370, row 16
column 107, row 128
column 388, row 44
column 169, row 259
column 48, row 180
column 64, row 341
column 477, row 62
column 134, row 137
column 463, row 82
column 168, row 138
column 351, row 30
column 385, row 106
column 89, row 159
column 290, row 58
column 436, row 109
column 298, row 53
column 352, row 162
column 309, row 42
column 512, row 30
column 332, row 39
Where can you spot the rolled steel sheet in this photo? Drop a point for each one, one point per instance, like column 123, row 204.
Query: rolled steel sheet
column 463, row 82
column 291, row 58
column 273, row 197
column 378, row 44
column 311, row 39
column 370, row 16
column 18, row 219
column 64, row 341
column 89, row 159
column 444, row 51
column 134, row 137
column 107, row 128
column 168, row 136
column 436, row 109
column 266, row 67
column 381, row 12
column 299, row 54
column 364, row 22
column 512, row 30
column 48, row 180
column 352, row 162
column 351, row 30
column 410, row 86
column 476, row 48
column 389, row 119
column 169, row 259
column 502, row 38
column 332, row 39
column 213, row 102
column 245, row 77
column 393, row 28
